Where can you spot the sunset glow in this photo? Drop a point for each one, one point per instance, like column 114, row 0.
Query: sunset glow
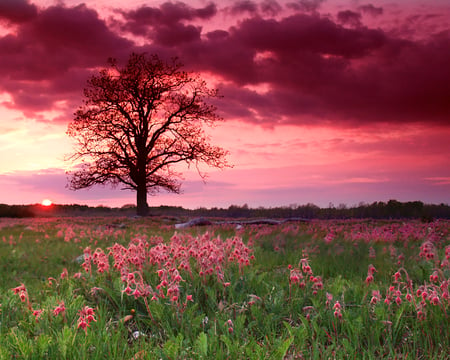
column 324, row 101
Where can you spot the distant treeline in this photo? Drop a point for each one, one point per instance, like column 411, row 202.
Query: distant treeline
column 392, row 209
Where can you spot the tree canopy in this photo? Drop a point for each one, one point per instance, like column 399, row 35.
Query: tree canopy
column 137, row 122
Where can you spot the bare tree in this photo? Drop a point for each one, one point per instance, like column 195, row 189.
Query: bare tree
column 137, row 122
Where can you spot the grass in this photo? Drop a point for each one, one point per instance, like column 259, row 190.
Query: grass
column 294, row 291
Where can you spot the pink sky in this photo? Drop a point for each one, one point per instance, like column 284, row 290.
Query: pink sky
column 324, row 101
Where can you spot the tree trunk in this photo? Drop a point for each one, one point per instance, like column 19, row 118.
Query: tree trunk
column 141, row 200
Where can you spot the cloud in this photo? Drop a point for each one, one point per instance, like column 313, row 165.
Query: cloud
column 17, row 11
column 371, row 10
column 314, row 66
column 348, row 17
column 305, row 5
column 47, row 59
column 270, row 7
column 314, row 69
column 244, row 6
column 148, row 20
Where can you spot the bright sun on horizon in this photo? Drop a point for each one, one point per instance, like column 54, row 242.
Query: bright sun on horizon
column 46, row 202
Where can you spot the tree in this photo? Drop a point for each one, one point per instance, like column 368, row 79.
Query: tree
column 137, row 122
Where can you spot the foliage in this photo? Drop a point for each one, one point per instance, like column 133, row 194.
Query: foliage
column 135, row 288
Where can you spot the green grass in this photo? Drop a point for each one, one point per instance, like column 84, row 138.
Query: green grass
column 250, row 311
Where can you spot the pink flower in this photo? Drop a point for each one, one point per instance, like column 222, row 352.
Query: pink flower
column 369, row 279
column 37, row 314
column 64, row 274
column 61, row 308
column 86, row 316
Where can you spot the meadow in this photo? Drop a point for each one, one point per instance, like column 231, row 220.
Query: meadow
column 135, row 288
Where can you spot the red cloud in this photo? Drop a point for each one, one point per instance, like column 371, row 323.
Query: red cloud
column 48, row 57
column 371, row 10
column 311, row 66
column 349, row 17
column 17, row 11
column 140, row 21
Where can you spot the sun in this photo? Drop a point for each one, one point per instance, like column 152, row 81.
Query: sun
column 46, row 202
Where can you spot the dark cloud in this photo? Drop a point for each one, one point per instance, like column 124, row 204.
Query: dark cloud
column 270, row 7
column 305, row 5
column 48, row 57
column 177, row 34
column 371, row 10
column 348, row 17
column 17, row 11
column 145, row 18
column 313, row 68
column 300, row 33
column 242, row 6
column 317, row 68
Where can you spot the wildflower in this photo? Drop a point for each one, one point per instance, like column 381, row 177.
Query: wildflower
column 95, row 290
column 37, row 314
column 337, row 310
column 86, row 316
column 64, row 274
column 376, row 297
column 60, row 309
column 21, row 290
column 329, row 299
column 229, row 323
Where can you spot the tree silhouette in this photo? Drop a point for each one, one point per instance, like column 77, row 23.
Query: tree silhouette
column 137, row 122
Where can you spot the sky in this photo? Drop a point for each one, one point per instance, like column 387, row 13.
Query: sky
column 323, row 101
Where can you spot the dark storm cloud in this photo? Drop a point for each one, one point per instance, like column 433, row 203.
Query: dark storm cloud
column 348, row 17
column 313, row 68
column 49, row 55
column 270, row 7
column 317, row 67
column 145, row 18
column 305, row 5
column 17, row 11
column 371, row 10
column 244, row 6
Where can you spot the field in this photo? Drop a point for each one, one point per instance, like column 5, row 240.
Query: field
column 124, row 288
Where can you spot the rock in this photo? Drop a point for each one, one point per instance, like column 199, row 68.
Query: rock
column 194, row 222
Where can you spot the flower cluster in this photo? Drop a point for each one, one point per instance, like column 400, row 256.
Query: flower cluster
column 86, row 316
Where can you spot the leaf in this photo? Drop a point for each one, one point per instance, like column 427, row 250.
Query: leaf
column 172, row 346
column 281, row 351
column 201, row 344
